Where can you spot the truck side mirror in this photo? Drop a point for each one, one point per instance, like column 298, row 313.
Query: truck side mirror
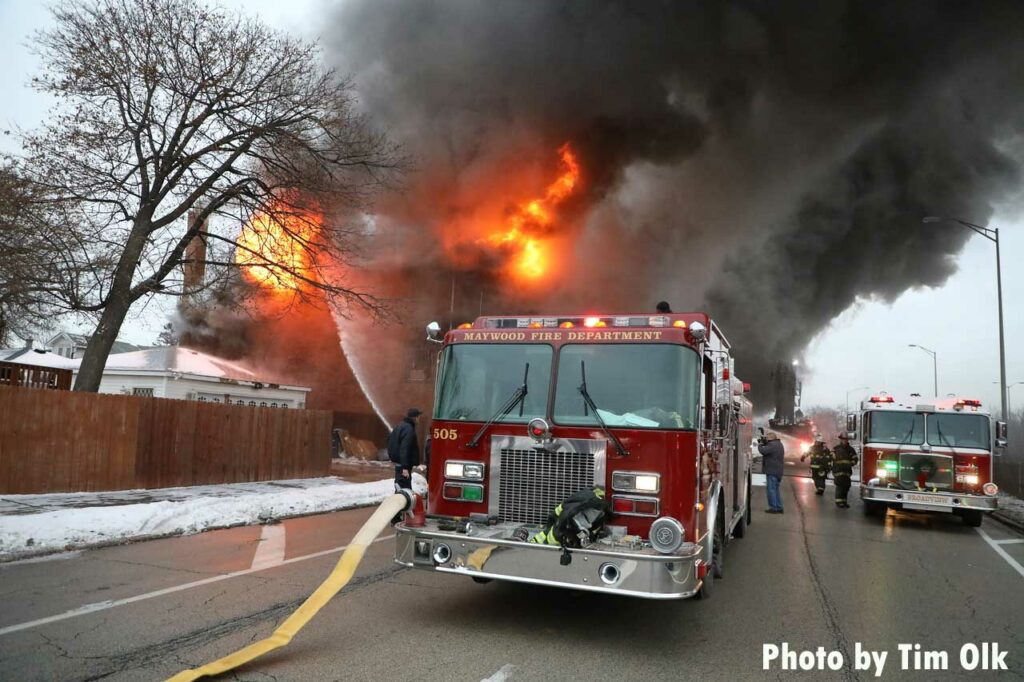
column 1001, row 435
column 724, row 416
column 851, row 423
column 433, row 330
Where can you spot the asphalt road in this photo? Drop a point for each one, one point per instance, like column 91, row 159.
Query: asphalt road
column 815, row 576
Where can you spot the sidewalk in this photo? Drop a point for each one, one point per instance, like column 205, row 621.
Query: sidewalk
column 1011, row 511
column 31, row 525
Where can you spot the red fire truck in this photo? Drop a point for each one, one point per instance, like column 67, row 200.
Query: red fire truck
column 530, row 410
column 927, row 454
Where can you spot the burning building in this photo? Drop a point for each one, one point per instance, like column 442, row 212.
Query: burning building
column 767, row 162
column 770, row 163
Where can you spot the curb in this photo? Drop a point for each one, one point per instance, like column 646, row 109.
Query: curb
column 1009, row 521
column 11, row 557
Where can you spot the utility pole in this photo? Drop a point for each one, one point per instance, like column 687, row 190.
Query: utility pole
column 991, row 234
column 935, row 366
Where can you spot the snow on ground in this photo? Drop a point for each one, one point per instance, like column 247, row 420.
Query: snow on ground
column 67, row 524
column 1011, row 510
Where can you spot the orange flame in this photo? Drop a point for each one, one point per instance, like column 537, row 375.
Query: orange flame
column 274, row 251
column 528, row 223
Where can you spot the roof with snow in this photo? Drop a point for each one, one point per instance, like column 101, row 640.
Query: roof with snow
column 37, row 358
column 168, row 360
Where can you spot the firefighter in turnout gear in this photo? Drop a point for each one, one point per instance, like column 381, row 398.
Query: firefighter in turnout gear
column 821, row 462
column 843, row 460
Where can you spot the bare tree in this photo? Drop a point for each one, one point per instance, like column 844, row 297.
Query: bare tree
column 168, row 106
column 29, row 255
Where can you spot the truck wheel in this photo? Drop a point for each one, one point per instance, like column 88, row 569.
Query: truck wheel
column 482, row 581
column 740, row 529
column 718, row 546
column 872, row 508
column 750, row 517
column 972, row 517
column 707, row 587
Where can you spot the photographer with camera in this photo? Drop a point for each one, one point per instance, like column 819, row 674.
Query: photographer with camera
column 772, row 464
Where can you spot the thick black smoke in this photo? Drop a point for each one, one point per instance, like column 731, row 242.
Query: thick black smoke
column 770, row 161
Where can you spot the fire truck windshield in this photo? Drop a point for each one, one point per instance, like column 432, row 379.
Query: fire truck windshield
column 477, row 379
column 958, row 430
column 903, row 428
column 645, row 386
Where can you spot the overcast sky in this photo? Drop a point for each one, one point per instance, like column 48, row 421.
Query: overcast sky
column 866, row 346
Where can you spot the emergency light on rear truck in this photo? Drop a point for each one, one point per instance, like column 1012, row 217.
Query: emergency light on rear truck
column 967, row 402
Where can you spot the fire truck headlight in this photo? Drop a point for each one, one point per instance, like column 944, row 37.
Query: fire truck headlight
column 990, row 489
column 466, row 471
column 969, row 479
column 666, row 535
column 886, row 469
column 636, row 482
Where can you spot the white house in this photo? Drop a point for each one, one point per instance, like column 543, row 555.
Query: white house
column 73, row 345
column 184, row 374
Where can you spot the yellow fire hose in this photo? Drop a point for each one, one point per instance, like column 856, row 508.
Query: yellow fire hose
column 338, row 578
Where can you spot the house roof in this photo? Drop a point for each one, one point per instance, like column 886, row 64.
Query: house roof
column 185, row 361
column 77, row 339
column 81, row 340
column 36, row 357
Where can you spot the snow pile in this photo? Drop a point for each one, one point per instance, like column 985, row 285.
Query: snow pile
column 1011, row 510
column 78, row 527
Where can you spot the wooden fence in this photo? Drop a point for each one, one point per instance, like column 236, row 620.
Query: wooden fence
column 14, row 374
column 66, row 441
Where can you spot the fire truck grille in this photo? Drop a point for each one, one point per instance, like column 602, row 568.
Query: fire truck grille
column 926, row 470
column 533, row 483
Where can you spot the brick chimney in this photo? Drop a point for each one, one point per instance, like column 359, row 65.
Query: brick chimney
column 194, row 269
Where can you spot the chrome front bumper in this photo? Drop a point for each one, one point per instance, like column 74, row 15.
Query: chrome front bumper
column 640, row 573
column 927, row 501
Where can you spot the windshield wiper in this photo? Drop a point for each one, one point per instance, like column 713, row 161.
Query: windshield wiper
column 518, row 397
column 589, row 402
column 942, row 438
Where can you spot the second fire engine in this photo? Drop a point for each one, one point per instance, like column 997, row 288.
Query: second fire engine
column 927, row 455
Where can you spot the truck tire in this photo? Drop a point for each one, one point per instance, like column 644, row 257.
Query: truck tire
column 872, row 508
column 707, row 587
column 481, row 581
column 972, row 517
column 740, row 529
column 750, row 516
column 718, row 546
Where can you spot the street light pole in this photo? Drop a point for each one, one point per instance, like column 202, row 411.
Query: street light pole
column 991, row 234
column 935, row 366
column 1009, row 394
column 849, row 391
